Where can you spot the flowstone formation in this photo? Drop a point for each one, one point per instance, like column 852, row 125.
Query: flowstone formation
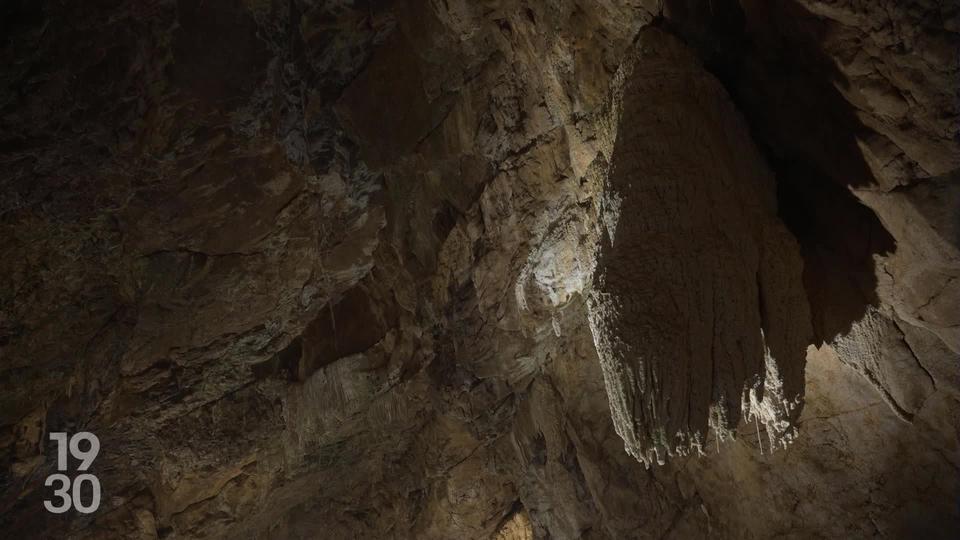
column 698, row 311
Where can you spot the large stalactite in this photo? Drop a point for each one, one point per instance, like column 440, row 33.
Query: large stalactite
column 698, row 310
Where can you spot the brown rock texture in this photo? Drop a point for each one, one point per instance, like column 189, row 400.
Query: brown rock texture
column 482, row 269
column 698, row 310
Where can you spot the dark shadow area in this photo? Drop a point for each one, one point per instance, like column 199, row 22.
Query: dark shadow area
column 17, row 18
column 351, row 325
column 838, row 237
column 218, row 55
column 768, row 55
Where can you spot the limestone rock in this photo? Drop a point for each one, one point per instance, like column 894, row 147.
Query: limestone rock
column 340, row 268
column 698, row 301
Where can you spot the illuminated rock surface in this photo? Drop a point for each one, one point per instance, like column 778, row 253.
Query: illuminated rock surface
column 416, row 269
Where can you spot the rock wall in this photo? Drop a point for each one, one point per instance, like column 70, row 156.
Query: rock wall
column 425, row 269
